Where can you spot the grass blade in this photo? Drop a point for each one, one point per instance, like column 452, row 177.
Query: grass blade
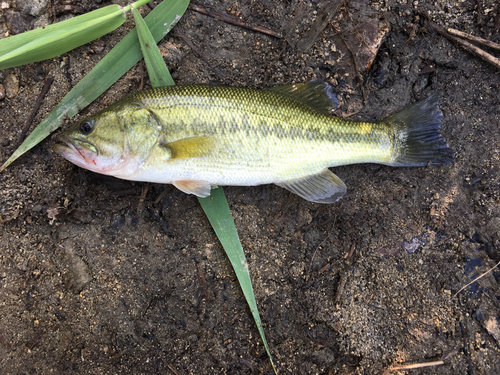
column 157, row 69
column 215, row 206
column 219, row 215
column 56, row 39
column 116, row 63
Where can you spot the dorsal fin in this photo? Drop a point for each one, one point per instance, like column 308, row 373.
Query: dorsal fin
column 316, row 94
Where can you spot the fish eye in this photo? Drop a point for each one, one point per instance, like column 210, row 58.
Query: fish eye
column 86, row 127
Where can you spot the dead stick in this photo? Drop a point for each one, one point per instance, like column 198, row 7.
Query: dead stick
column 161, row 196
column 466, row 45
column 484, row 42
column 142, row 198
column 351, row 252
column 416, row 365
column 172, row 368
column 479, row 11
column 477, row 278
column 203, row 282
column 233, row 20
column 45, row 90
column 340, row 288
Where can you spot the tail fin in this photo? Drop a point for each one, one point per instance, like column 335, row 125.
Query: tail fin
column 417, row 138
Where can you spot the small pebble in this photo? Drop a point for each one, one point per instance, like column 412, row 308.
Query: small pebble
column 11, row 84
column 2, row 92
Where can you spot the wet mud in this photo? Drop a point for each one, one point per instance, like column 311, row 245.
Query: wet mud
column 103, row 276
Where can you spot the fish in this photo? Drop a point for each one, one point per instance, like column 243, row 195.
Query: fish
column 197, row 137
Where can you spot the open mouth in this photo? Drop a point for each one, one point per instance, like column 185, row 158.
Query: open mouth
column 69, row 150
column 63, row 143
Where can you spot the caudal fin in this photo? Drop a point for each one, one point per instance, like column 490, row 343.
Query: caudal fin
column 418, row 141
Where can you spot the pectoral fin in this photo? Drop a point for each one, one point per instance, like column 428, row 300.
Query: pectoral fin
column 199, row 188
column 324, row 187
column 193, row 147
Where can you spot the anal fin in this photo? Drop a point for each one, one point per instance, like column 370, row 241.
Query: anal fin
column 199, row 188
column 324, row 187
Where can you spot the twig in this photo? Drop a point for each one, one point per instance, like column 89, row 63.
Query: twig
column 161, row 196
column 477, row 278
column 117, row 356
column 416, row 365
column 203, row 282
column 466, row 45
column 479, row 11
column 45, row 90
column 141, row 199
column 172, row 368
column 351, row 252
column 340, row 288
column 484, row 42
column 325, row 268
column 233, row 20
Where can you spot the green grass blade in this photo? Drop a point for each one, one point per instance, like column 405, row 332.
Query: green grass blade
column 15, row 41
column 219, row 215
column 116, row 63
column 54, row 40
column 157, row 70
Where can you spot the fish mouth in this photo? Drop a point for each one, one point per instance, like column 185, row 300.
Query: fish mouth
column 73, row 152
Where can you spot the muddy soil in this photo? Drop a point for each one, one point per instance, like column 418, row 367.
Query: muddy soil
column 95, row 280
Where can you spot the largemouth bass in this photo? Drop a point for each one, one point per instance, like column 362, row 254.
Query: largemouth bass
column 199, row 136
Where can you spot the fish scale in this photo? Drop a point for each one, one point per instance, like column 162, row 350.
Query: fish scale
column 198, row 136
column 263, row 125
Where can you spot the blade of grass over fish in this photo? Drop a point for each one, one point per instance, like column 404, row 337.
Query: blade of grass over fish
column 215, row 206
column 56, row 39
column 219, row 215
column 157, row 70
column 116, row 63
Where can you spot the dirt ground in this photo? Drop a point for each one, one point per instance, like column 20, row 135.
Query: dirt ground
column 92, row 281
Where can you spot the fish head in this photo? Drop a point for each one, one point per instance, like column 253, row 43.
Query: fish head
column 110, row 142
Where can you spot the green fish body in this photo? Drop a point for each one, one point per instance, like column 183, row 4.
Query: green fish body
column 199, row 136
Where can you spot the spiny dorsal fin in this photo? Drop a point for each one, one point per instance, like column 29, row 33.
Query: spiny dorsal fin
column 324, row 187
column 193, row 147
column 316, row 94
